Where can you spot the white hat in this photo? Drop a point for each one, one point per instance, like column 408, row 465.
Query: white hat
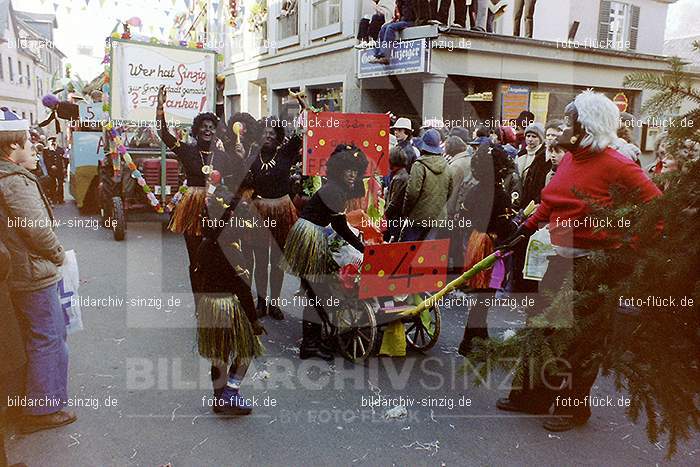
column 402, row 123
column 9, row 121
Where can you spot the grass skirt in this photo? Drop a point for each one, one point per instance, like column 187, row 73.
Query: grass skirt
column 307, row 252
column 282, row 211
column 223, row 329
column 187, row 217
column 479, row 246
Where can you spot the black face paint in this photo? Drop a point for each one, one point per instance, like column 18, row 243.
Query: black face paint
column 571, row 137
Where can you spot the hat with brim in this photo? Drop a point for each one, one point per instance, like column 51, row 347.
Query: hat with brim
column 9, row 121
column 402, row 124
column 430, row 142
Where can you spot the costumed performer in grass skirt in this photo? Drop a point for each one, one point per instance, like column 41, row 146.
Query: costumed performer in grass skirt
column 307, row 252
column 227, row 326
column 270, row 170
column 199, row 161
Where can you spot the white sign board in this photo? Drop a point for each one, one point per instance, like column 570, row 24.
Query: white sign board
column 91, row 113
column 139, row 69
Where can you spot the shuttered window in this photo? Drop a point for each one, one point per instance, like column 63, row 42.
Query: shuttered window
column 618, row 25
column 634, row 27
column 604, row 22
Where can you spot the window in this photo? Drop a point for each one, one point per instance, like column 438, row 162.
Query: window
column 29, row 78
column 328, row 98
column 31, row 118
column 10, row 70
column 325, row 13
column 19, row 71
column 2, row 70
column 287, row 21
column 619, row 25
column 619, row 14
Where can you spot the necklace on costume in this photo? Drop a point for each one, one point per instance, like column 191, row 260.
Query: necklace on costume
column 269, row 164
column 207, row 169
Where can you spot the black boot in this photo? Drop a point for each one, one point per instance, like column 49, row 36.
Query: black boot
column 261, row 308
column 310, row 343
column 465, row 347
column 275, row 312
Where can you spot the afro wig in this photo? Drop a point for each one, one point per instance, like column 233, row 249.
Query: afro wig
column 251, row 133
column 344, row 158
column 200, row 119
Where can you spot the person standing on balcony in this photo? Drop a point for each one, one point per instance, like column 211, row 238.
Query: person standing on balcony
column 528, row 6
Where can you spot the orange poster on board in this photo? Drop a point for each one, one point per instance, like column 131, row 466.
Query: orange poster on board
column 403, row 268
column 323, row 131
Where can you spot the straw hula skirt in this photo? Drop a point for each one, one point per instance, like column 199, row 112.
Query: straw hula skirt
column 187, row 217
column 479, row 246
column 281, row 211
column 307, row 252
column 223, row 329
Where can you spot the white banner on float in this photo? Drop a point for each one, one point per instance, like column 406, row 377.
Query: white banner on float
column 139, row 69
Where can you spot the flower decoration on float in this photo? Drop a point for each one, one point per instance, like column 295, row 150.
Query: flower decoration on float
column 121, row 151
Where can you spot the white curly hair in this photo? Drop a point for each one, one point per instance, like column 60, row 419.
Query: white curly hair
column 599, row 117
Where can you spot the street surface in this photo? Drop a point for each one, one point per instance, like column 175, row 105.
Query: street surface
column 143, row 391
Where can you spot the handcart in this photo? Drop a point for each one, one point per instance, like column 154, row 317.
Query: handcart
column 356, row 322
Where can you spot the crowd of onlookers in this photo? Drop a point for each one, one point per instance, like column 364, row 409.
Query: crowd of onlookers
column 33, row 349
column 473, row 186
column 383, row 19
column 432, row 177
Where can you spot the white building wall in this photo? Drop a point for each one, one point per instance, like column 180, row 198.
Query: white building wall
column 14, row 92
column 553, row 18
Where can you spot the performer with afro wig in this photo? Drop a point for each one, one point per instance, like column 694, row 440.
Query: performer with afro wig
column 271, row 163
column 227, row 325
column 307, row 252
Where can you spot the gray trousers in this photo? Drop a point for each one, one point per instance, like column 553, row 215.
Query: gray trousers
column 528, row 6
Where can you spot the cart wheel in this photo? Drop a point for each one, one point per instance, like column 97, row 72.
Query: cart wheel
column 118, row 219
column 357, row 330
column 423, row 336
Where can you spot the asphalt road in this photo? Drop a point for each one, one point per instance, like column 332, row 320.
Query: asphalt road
column 139, row 356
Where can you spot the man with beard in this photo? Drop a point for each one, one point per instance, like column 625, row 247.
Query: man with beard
column 270, row 168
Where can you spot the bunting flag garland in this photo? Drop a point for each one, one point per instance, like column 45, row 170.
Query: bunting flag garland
column 121, row 151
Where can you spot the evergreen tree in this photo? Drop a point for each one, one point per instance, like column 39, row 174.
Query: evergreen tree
column 652, row 352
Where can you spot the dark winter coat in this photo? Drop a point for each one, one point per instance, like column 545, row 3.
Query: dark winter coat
column 535, row 177
column 11, row 346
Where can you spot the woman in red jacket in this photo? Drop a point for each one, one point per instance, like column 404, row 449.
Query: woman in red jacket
column 586, row 174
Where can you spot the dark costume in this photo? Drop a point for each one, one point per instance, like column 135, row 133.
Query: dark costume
column 224, row 303
column 488, row 207
column 56, row 167
column 307, row 252
column 270, row 171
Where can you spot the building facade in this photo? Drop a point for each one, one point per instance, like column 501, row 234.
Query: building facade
column 30, row 63
column 455, row 75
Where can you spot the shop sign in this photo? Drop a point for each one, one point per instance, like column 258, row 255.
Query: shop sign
column 406, row 57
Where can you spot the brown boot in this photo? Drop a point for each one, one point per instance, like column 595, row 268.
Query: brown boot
column 33, row 423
